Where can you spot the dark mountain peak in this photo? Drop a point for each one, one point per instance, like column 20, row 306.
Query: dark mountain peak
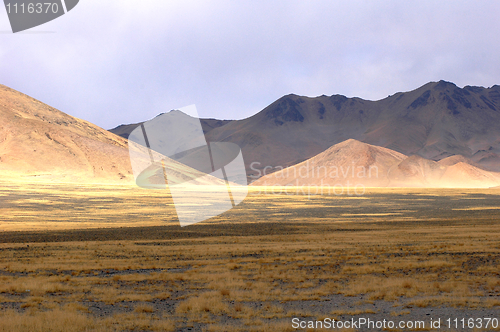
column 446, row 92
column 459, row 96
column 338, row 101
column 321, row 110
column 474, row 89
column 421, row 101
column 442, row 85
column 494, row 95
column 285, row 109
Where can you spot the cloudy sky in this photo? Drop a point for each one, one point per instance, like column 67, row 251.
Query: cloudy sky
column 113, row 62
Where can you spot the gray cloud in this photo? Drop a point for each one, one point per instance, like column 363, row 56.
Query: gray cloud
column 126, row 61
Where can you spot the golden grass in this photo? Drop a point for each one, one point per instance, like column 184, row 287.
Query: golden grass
column 209, row 279
column 55, row 320
column 206, row 302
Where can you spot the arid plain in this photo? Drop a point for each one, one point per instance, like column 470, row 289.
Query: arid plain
column 104, row 258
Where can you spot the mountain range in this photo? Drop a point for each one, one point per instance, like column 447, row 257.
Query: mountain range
column 435, row 121
column 437, row 135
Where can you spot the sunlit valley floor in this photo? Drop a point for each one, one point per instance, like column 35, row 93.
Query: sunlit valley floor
column 103, row 258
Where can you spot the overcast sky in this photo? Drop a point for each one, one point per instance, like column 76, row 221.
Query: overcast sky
column 114, row 62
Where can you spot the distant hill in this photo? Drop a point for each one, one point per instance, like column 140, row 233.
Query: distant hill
column 342, row 163
column 353, row 163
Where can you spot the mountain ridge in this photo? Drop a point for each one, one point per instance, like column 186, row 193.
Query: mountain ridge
column 435, row 121
column 439, row 126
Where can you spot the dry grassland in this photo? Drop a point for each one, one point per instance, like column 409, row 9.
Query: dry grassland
column 252, row 268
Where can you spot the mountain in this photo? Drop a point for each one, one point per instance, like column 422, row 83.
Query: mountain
column 435, row 121
column 343, row 163
column 40, row 142
column 353, row 163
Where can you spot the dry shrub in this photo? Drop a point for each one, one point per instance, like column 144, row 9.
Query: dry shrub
column 389, row 288
column 75, row 307
column 422, row 303
column 271, row 311
column 241, row 311
column 490, row 303
column 207, row 302
column 129, row 322
column 449, row 300
column 226, row 281
column 136, row 277
column 106, row 293
column 492, row 283
column 34, row 286
column 163, row 325
column 144, row 308
column 55, row 321
column 352, row 312
column 133, row 297
column 163, row 296
column 400, row 313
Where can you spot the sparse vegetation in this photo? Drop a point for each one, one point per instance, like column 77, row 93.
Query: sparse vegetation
column 251, row 278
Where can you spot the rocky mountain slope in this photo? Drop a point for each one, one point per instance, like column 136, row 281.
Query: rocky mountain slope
column 38, row 142
column 41, row 142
